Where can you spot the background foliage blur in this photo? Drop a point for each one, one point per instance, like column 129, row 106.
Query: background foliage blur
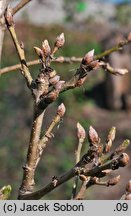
column 86, row 25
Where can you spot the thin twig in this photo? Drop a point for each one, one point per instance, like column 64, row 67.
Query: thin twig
column 48, row 134
column 115, row 71
column 81, row 137
column 21, row 54
column 19, row 6
column 78, row 169
column 85, row 185
column 60, row 59
column 73, row 59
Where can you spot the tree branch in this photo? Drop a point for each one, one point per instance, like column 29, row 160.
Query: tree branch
column 77, row 170
column 21, row 54
column 19, row 6
column 73, row 59
column 32, row 155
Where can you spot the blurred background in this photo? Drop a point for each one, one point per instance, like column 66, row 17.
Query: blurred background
column 104, row 100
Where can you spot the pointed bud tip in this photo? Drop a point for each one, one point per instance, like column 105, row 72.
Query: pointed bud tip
column 93, row 136
column 123, row 159
column 60, row 40
column 38, row 51
column 46, row 48
column 112, row 134
column 88, row 58
column 80, row 131
column 61, row 110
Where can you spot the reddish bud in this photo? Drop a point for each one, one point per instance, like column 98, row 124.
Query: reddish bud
column 88, row 58
column 113, row 181
column 81, row 134
column 123, row 159
column 54, row 80
column 61, row 110
column 60, row 40
column 59, row 85
column 46, row 48
column 52, row 96
column 93, row 136
column 128, row 187
column 81, row 81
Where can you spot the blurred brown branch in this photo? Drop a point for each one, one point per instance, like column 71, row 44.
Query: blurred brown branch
column 19, row 6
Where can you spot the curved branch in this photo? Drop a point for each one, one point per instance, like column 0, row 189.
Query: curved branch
column 19, row 6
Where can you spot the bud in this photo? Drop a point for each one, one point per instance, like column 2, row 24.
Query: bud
column 128, row 187
column 129, row 37
column 22, row 45
column 112, row 134
column 80, row 82
column 38, row 52
column 110, row 139
column 52, row 96
column 59, row 85
column 60, row 40
column 123, row 159
column 122, row 147
column 88, row 58
column 9, row 16
column 81, row 134
column 46, row 48
column 61, row 110
column 54, row 80
column 113, row 181
column 93, row 136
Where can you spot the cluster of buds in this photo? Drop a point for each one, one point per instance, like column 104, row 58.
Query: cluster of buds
column 89, row 62
column 45, row 53
column 98, row 156
column 55, row 81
